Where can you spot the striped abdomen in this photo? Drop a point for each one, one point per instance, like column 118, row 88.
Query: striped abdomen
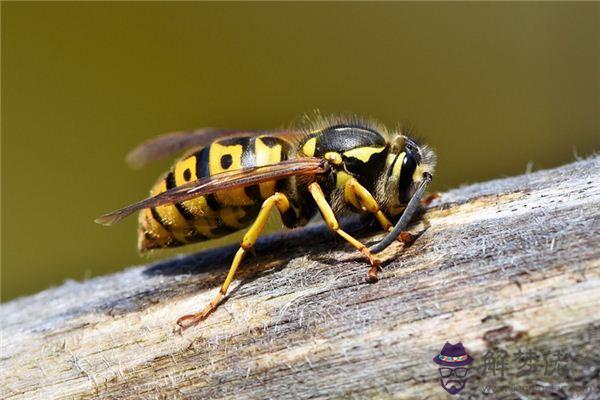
column 214, row 215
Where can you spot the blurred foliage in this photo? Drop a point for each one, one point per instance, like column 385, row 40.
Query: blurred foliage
column 491, row 86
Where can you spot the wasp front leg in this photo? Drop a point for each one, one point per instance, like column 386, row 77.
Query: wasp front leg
column 282, row 203
column 334, row 225
column 357, row 195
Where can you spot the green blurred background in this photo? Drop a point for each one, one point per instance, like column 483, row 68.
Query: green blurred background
column 491, row 87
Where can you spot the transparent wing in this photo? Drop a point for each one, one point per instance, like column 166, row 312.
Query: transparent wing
column 226, row 180
column 172, row 143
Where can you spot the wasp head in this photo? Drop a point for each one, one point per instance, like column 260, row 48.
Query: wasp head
column 407, row 165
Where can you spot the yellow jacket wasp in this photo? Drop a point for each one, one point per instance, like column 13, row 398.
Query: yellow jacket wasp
column 229, row 180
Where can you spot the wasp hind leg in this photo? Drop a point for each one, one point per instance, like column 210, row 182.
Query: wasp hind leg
column 334, row 225
column 278, row 200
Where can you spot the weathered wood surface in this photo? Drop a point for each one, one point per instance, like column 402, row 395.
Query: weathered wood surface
column 507, row 264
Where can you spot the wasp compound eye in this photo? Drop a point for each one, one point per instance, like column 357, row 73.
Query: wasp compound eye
column 409, row 164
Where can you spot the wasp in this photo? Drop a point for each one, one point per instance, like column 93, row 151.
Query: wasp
column 229, row 180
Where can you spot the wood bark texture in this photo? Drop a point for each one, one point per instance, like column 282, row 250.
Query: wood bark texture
column 506, row 265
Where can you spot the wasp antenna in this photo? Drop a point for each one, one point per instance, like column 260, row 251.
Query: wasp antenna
column 408, row 213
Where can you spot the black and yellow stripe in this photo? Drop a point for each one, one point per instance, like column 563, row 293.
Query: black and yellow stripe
column 214, row 215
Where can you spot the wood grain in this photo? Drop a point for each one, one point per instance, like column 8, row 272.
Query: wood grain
column 504, row 265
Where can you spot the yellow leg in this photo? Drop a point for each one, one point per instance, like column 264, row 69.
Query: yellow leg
column 333, row 224
column 360, row 197
column 281, row 202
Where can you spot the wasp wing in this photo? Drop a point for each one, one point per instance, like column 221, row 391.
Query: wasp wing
column 219, row 182
column 172, row 143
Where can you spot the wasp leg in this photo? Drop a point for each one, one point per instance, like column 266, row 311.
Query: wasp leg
column 360, row 197
column 427, row 200
column 281, row 202
column 333, row 224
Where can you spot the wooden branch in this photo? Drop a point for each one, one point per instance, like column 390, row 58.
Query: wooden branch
column 505, row 265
